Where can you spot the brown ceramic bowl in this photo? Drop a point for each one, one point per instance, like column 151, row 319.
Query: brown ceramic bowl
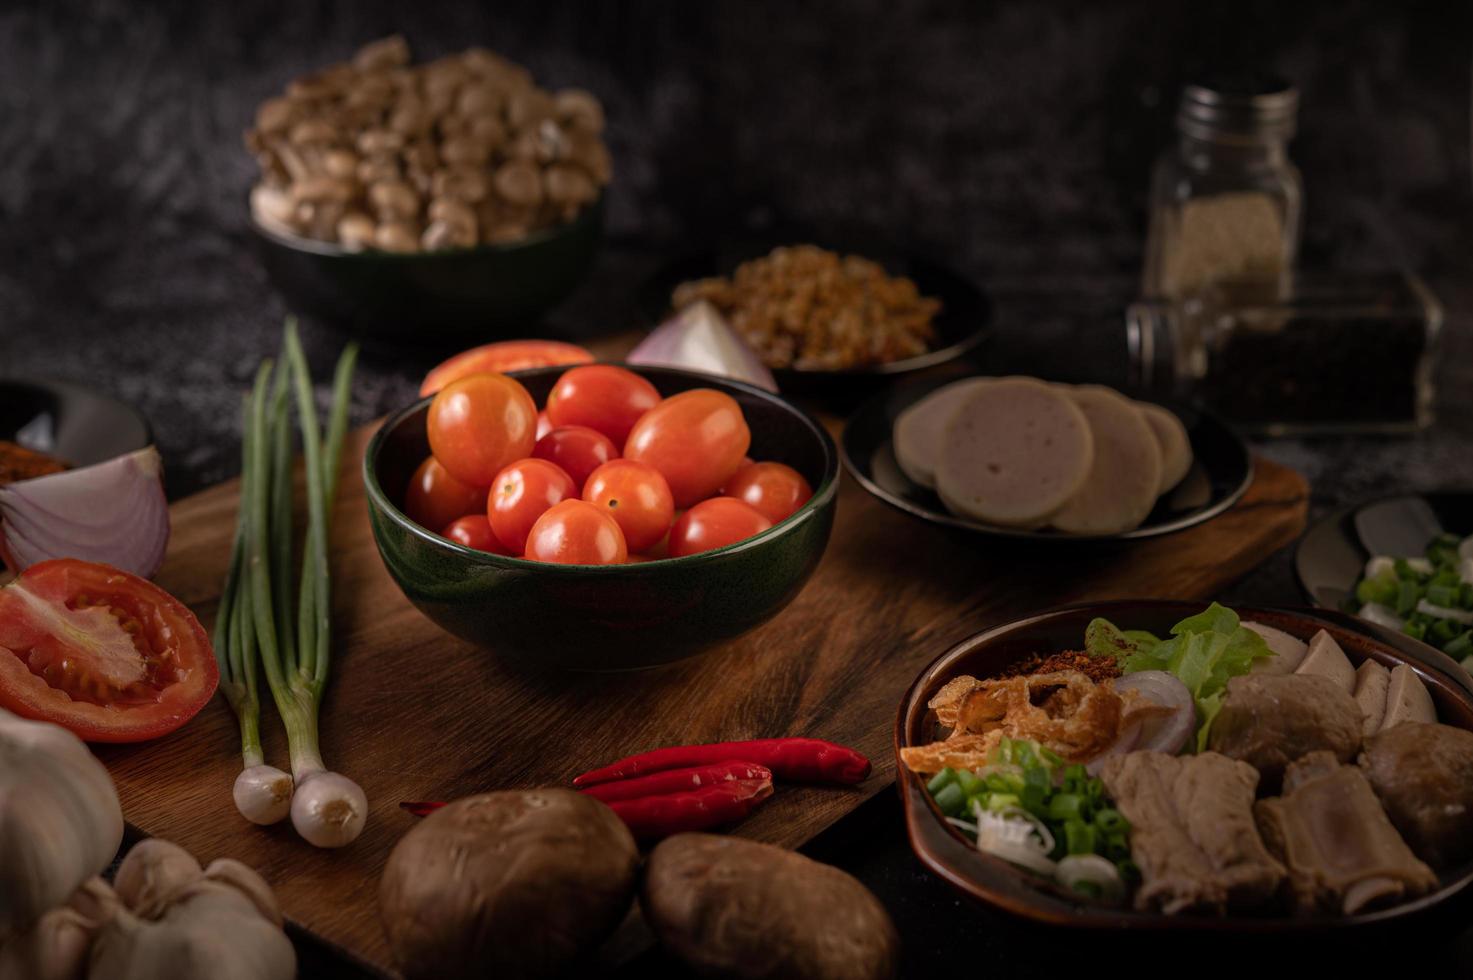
column 952, row 857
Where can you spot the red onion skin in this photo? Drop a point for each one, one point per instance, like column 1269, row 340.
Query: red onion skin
column 738, row 360
column 32, row 532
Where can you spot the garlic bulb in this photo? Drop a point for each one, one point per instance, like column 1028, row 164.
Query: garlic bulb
column 180, row 922
column 56, row 947
column 60, row 822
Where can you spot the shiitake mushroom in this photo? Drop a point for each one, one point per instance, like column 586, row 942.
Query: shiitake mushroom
column 509, row 884
column 734, row 908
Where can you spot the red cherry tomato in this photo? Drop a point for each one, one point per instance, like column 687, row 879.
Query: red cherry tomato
column 481, row 424
column 746, row 461
column 474, row 531
column 577, row 533
column 501, row 357
column 578, row 449
column 696, row 439
column 714, row 523
column 603, row 397
column 102, row 652
column 637, row 497
column 773, row 490
column 435, row 498
column 520, row 495
column 543, row 425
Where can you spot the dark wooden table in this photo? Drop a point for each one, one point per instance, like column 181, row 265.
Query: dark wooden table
column 1013, row 138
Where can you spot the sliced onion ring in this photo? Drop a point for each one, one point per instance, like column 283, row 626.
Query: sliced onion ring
column 1168, row 733
column 112, row 512
column 698, row 338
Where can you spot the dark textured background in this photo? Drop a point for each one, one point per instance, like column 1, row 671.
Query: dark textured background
column 1013, row 139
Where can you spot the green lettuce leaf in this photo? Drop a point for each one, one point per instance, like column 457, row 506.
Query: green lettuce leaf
column 1103, row 638
column 1205, row 651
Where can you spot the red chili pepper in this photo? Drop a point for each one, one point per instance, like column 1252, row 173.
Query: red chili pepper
column 421, row 809
column 803, row 760
column 678, row 781
column 652, row 817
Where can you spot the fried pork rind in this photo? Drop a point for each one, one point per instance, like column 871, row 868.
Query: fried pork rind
column 1064, row 711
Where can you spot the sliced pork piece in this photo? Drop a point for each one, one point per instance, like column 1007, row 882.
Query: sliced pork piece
column 1013, row 453
column 1288, row 650
column 1125, row 475
column 1371, row 682
column 1175, row 444
column 918, row 430
column 1423, row 774
column 1326, row 659
column 1192, row 832
column 1407, row 699
column 1269, row 720
column 1342, row 852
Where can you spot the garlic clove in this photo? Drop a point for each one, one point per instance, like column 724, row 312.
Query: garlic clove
column 153, row 873
column 230, row 872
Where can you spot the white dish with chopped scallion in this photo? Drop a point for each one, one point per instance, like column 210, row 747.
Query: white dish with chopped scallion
column 1427, row 597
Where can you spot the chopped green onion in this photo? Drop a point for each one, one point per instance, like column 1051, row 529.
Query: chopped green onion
column 941, row 780
column 1065, row 806
column 1442, row 631
column 970, row 782
column 1459, row 646
column 950, row 800
column 1408, row 573
column 1408, row 592
column 1079, row 837
column 1442, row 595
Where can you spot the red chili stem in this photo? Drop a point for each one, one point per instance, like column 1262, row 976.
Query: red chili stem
column 803, row 760
column 653, row 817
column 678, row 781
column 421, row 809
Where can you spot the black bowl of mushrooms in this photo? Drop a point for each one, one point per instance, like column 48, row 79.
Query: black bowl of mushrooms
column 454, row 196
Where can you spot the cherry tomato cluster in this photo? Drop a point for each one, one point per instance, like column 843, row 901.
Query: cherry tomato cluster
column 607, row 472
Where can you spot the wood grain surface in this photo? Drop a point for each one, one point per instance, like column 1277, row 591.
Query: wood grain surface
column 413, row 713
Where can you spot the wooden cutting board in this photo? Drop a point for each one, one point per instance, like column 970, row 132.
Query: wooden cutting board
column 413, row 713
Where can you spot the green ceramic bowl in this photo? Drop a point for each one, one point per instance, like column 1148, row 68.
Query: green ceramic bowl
column 433, row 297
column 607, row 617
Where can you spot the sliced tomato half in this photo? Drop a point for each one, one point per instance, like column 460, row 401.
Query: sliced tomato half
column 102, row 652
column 499, row 358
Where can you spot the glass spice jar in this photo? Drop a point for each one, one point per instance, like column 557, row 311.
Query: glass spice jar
column 1338, row 355
column 1226, row 200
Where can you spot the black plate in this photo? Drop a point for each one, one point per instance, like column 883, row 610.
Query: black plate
column 1329, row 559
column 961, row 326
column 72, row 423
column 1220, row 474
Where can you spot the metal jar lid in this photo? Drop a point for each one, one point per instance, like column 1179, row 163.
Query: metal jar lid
column 1249, row 109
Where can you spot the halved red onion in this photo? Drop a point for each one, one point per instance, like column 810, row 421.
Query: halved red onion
column 698, row 338
column 1162, row 733
column 113, row 512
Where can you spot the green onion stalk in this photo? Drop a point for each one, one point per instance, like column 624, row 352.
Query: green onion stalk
column 289, row 636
